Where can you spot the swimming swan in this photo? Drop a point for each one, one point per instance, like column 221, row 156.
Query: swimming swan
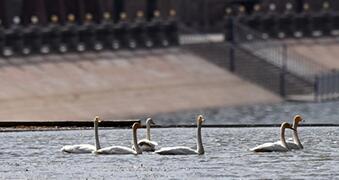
column 85, row 148
column 181, row 150
column 147, row 144
column 295, row 143
column 122, row 149
column 278, row 146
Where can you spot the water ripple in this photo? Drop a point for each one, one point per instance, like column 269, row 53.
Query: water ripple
column 36, row 155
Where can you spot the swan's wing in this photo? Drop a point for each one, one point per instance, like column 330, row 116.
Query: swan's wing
column 146, row 145
column 148, row 142
column 79, row 148
column 180, row 150
column 292, row 145
column 269, row 147
column 116, row 150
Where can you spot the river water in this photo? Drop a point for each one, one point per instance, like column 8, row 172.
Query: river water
column 36, row 155
column 313, row 113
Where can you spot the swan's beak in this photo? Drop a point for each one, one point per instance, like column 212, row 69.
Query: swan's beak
column 293, row 129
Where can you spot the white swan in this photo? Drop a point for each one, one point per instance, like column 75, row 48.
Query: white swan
column 276, row 146
column 182, row 150
column 122, row 149
column 85, row 148
column 295, row 143
column 147, row 144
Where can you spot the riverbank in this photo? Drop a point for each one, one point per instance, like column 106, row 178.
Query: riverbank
column 119, row 85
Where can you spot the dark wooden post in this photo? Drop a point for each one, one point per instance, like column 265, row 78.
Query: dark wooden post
column 150, row 8
column 118, row 7
column 41, row 11
column 81, row 9
column 62, row 11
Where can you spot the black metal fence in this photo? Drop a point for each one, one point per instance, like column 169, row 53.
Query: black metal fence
column 293, row 74
column 327, row 86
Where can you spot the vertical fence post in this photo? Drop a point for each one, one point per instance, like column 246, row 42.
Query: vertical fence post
column 231, row 38
column 283, row 72
column 62, row 11
column 205, row 15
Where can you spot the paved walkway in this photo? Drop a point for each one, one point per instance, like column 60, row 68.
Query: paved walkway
column 118, row 85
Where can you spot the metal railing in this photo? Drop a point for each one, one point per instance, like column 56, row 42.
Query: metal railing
column 321, row 82
column 327, row 86
column 276, row 52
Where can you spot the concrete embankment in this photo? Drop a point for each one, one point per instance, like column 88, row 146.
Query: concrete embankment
column 118, row 85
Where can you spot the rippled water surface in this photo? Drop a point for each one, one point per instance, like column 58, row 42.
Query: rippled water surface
column 36, row 155
column 315, row 113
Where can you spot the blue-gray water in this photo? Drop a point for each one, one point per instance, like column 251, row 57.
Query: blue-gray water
column 36, row 155
column 315, row 113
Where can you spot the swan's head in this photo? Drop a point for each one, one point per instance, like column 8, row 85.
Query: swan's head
column 297, row 119
column 287, row 125
column 136, row 125
column 97, row 119
column 200, row 119
column 150, row 121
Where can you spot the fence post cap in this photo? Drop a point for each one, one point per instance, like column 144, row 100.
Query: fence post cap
column 71, row 18
column 272, row 7
column 54, row 18
column 306, row 6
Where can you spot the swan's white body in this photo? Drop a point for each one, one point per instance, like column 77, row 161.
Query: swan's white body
column 146, row 144
column 120, row 150
column 79, row 148
column 182, row 150
column 279, row 146
column 295, row 142
column 116, row 150
column 178, row 150
column 85, row 148
column 270, row 147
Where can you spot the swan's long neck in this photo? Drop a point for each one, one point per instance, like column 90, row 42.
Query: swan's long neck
column 96, row 134
column 296, row 136
column 135, row 141
column 148, row 130
column 282, row 137
column 200, row 147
